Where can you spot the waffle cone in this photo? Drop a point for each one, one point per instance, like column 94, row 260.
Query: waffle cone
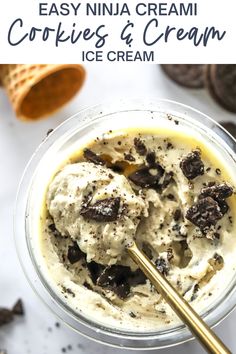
column 37, row 91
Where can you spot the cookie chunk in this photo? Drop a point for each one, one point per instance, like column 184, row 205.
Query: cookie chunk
column 90, row 156
column 104, row 210
column 204, row 214
column 192, row 165
column 188, row 75
column 147, row 177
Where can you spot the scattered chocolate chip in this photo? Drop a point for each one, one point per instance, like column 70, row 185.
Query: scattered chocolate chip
column 132, row 314
column 194, row 294
column 140, row 147
column 218, row 171
column 204, row 214
column 49, row 131
column 218, row 192
column 151, row 158
column 192, row 165
column 92, row 157
column 162, row 266
column 104, row 210
column 169, row 146
column 6, row 316
column 74, row 253
column 147, row 177
column 170, row 197
column 177, row 214
column 18, row 308
column 129, row 157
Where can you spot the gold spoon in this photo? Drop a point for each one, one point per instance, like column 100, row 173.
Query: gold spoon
column 197, row 326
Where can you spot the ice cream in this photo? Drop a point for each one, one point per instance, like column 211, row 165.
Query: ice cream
column 170, row 195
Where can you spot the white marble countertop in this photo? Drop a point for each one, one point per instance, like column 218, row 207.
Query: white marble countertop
column 36, row 333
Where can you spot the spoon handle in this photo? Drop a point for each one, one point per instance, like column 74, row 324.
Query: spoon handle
column 197, row 326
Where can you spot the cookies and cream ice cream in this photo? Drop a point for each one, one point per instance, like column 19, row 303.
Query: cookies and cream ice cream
column 170, row 195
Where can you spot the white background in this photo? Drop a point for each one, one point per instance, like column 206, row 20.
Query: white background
column 220, row 14
column 18, row 140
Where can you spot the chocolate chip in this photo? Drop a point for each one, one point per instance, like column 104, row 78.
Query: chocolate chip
column 218, row 192
column 132, row 314
column 18, row 308
column 6, row 316
column 92, row 157
column 151, row 158
column 140, row 146
column 192, row 165
column 205, row 213
column 147, row 177
column 129, row 157
column 74, row 253
column 104, row 210
column 162, row 265
column 177, row 214
column 95, row 270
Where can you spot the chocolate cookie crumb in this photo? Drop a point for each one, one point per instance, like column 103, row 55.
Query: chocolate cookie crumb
column 177, row 214
column 162, row 266
column 6, row 316
column 74, row 253
column 140, row 147
column 151, row 158
column 192, row 165
column 218, row 192
column 92, row 157
column 18, row 308
column 204, row 214
column 129, row 157
column 104, row 210
column 147, row 177
column 132, row 314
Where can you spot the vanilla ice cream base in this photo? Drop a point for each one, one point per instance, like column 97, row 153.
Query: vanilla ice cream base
column 151, row 311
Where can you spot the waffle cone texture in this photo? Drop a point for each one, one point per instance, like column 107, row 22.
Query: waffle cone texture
column 36, row 91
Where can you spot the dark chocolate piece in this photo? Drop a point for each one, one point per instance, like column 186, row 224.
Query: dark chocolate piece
column 192, row 165
column 18, row 308
column 205, row 213
column 140, row 147
column 147, row 177
column 74, row 253
column 104, row 210
column 92, row 157
column 162, row 266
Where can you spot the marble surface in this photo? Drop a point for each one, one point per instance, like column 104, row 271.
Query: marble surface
column 36, row 333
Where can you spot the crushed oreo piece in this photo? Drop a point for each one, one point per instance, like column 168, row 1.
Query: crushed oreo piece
column 6, row 316
column 95, row 270
column 192, row 165
column 162, row 266
column 147, row 177
column 140, row 147
column 18, row 308
column 204, row 214
column 117, row 168
column 137, row 278
column 104, row 210
column 129, row 157
column 168, row 178
column 92, row 157
column 115, row 278
column 218, row 192
column 195, row 291
column 53, row 229
column 177, row 214
column 224, row 208
column 74, row 253
column 151, row 158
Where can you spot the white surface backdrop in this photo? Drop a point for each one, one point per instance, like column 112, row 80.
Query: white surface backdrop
column 36, row 333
